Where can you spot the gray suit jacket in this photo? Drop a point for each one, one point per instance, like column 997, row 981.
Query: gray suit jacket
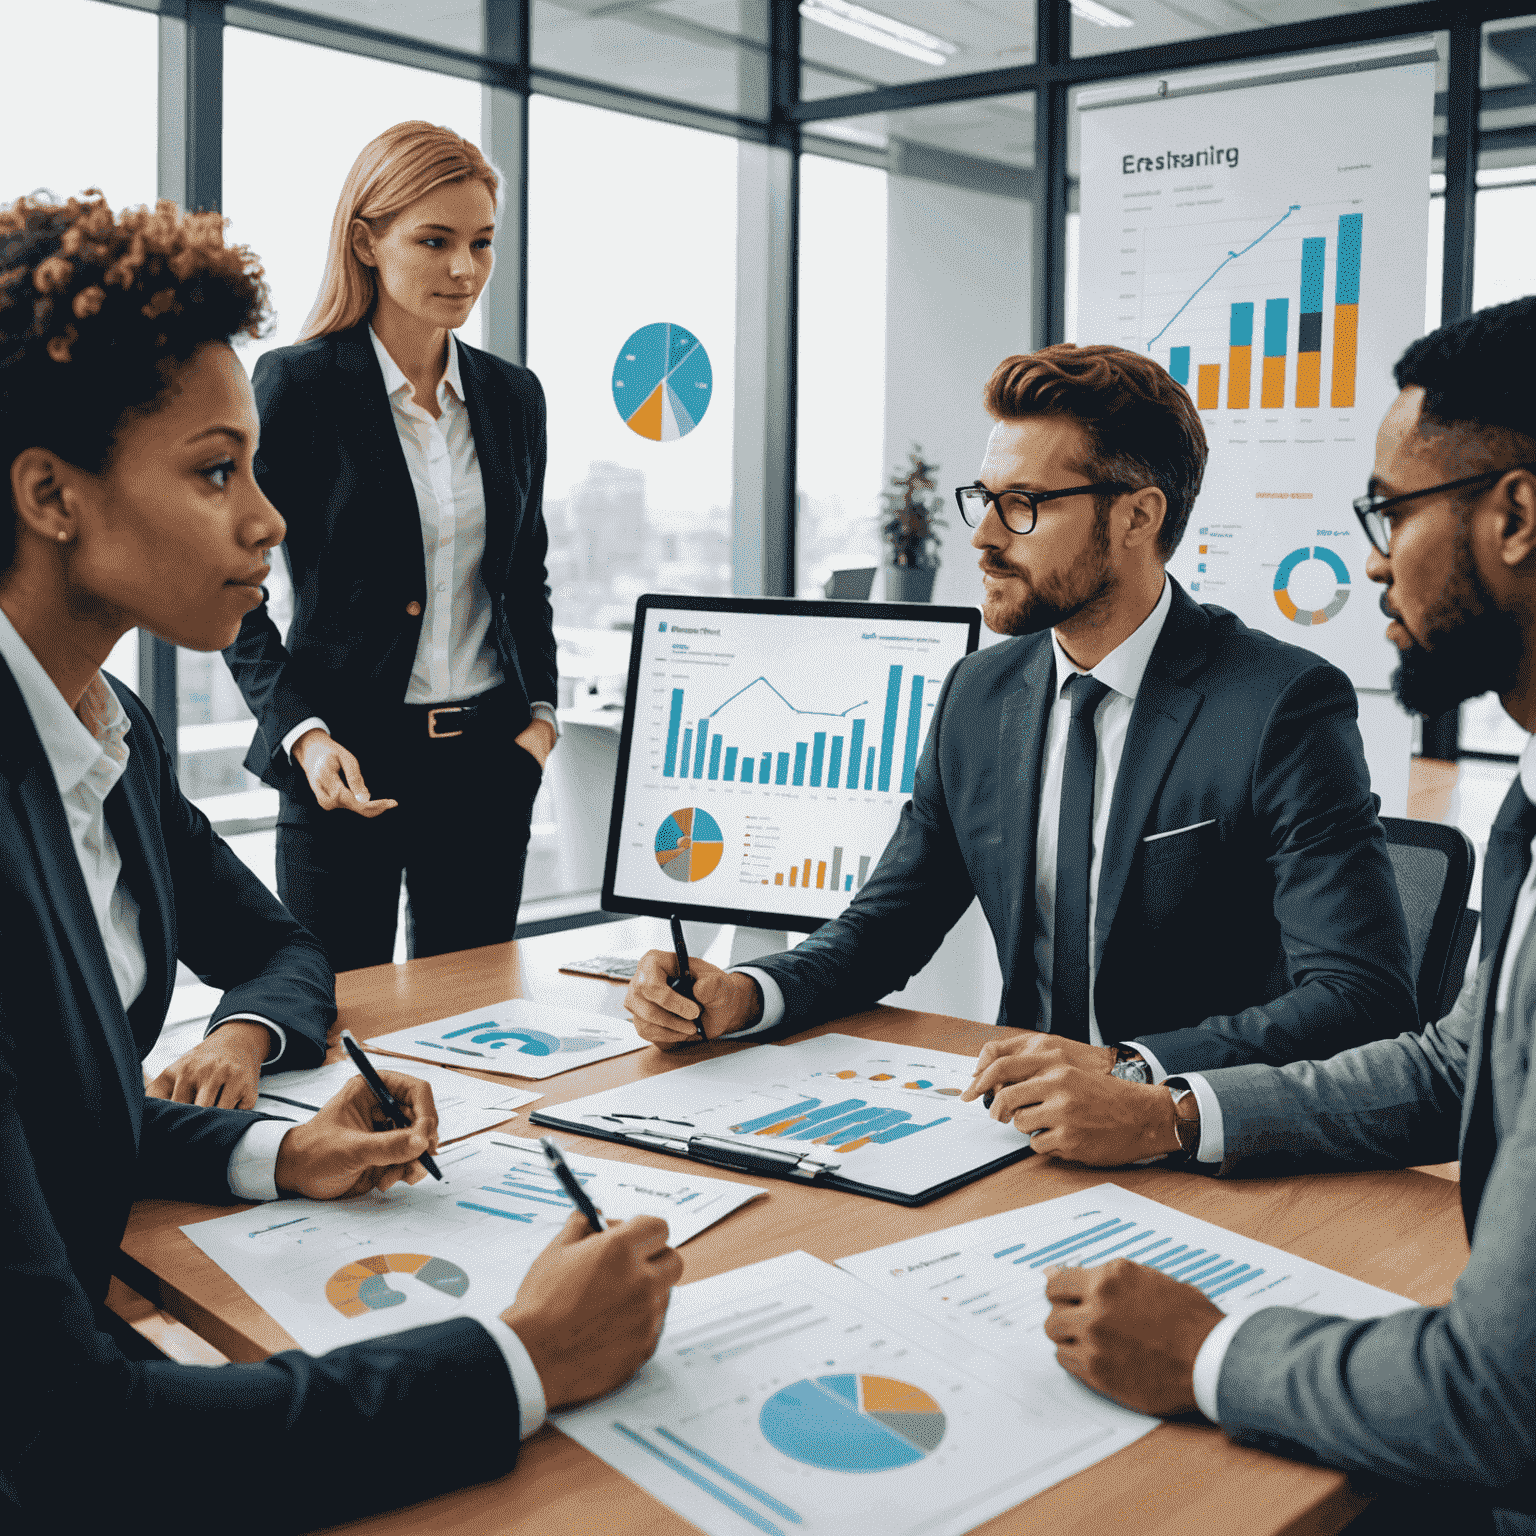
column 1443, row 1395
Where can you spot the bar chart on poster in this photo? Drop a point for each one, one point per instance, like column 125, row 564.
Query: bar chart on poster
column 1265, row 241
column 770, row 753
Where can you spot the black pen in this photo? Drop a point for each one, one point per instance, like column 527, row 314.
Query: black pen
column 571, row 1184
column 682, row 983
column 387, row 1101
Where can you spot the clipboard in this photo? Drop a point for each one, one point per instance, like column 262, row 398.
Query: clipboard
column 866, row 1091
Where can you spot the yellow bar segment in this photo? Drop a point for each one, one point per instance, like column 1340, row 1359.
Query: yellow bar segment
column 1272, row 384
column 1239, row 377
column 1309, row 378
column 1346, row 321
column 1209, row 387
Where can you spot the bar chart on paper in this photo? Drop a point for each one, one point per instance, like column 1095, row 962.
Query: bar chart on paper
column 1277, row 276
column 770, row 757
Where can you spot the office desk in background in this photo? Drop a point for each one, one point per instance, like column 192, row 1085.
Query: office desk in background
column 1399, row 1230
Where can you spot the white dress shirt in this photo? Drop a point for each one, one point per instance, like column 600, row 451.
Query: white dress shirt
column 88, row 753
column 1214, row 1351
column 455, row 656
column 1121, row 672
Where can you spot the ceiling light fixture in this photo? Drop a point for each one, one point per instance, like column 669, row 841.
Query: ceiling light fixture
column 1100, row 15
column 884, row 32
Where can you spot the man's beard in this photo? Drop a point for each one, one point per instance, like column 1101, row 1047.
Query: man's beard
column 1476, row 645
column 1062, row 596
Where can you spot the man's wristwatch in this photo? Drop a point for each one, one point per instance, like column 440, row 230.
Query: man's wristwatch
column 1186, row 1119
column 1129, row 1066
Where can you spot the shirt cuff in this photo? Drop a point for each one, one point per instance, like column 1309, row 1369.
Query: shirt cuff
column 252, row 1171
column 1158, row 1074
column 532, row 1409
column 300, row 728
column 543, row 710
column 279, row 1034
column 773, row 1001
column 1213, row 1144
column 1208, row 1362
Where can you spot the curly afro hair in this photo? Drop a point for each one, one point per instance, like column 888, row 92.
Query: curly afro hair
column 98, row 311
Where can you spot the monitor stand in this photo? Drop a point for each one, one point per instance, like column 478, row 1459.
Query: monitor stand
column 736, row 944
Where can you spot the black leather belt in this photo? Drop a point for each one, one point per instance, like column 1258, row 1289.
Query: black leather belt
column 444, row 721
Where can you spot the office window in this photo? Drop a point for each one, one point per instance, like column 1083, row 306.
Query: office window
column 840, row 433
column 452, row 23
column 1106, row 26
column 944, row 270
column 632, row 332
column 1506, row 178
column 707, row 53
column 846, row 47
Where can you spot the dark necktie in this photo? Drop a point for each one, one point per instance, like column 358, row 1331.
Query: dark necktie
column 1074, row 861
column 1505, row 866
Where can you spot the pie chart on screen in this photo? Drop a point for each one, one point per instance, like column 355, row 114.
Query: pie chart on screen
column 689, row 844
column 662, row 382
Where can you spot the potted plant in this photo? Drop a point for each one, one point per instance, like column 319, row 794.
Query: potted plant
column 908, row 525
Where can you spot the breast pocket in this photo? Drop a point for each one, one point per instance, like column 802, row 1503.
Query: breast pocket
column 1180, row 870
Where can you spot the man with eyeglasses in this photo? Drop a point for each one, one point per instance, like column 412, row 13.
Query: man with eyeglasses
column 1438, row 1399
column 1166, row 815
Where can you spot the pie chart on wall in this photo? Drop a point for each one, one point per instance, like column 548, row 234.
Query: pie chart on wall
column 689, row 844
column 662, row 382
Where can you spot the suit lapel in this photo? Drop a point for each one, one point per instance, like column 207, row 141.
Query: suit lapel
column 490, row 423
column 1159, row 722
column 44, row 822
column 1020, row 745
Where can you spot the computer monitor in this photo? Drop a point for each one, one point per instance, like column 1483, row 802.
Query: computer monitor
column 768, row 747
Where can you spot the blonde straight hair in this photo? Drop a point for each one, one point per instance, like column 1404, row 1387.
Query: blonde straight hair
column 403, row 164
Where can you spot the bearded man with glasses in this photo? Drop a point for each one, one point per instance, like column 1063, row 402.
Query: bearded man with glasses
column 1166, row 815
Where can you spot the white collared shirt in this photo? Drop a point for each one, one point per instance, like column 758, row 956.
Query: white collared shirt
column 455, row 656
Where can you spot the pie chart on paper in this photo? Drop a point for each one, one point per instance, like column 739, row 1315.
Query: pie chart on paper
column 853, row 1423
column 662, row 382
column 689, row 844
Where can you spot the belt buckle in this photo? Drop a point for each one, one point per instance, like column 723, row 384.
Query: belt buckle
column 443, row 709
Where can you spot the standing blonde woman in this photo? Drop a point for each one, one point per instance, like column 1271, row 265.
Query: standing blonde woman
column 408, row 717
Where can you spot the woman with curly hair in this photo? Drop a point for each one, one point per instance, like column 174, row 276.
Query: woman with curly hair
column 408, row 716
column 127, row 435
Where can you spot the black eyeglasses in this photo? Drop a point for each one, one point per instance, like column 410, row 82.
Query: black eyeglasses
column 1376, row 519
column 1018, row 510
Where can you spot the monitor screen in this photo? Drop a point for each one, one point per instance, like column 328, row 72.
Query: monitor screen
column 769, row 745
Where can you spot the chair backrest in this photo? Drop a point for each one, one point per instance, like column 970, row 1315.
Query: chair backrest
column 1433, row 866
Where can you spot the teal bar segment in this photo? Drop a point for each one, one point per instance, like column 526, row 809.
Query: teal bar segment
column 1178, row 364
column 914, row 729
column 714, row 758
column 855, row 754
column 781, row 776
column 1312, row 275
column 766, row 769
column 888, row 731
column 1346, row 279
column 701, row 741
column 869, row 770
column 818, row 752
column 1241, row 333
column 1277, row 312
column 669, row 763
column 730, row 765
column 799, row 763
column 687, row 750
column 835, row 762
column 747, row 765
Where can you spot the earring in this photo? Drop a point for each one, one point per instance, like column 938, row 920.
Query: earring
column 63, row 534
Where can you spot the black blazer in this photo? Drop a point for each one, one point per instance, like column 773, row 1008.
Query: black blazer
column 79, row 1142
column 1272, row 934
column 330, row 461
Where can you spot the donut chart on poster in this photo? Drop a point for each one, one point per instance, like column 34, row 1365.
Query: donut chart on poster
column 1283, row 597
column 689, row 844
column 662, row 382
column 360, row 1287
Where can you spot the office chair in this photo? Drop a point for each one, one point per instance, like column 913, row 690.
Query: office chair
column 1433, row 866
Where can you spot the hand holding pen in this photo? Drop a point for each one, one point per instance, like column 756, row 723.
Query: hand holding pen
column 682, row 983
column 394, row 1112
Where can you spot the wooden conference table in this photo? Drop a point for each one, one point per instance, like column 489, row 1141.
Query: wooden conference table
column 1401, row 1230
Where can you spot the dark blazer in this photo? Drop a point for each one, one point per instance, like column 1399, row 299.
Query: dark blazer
column 1270, row 934
column 79, row 1142
column 330, row 461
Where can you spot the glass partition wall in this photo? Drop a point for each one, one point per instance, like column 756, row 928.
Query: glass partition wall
column 854, row 210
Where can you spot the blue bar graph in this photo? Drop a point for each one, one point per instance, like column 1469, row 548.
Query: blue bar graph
column 855, row 754
column 687, row 747
column 888, row 730
column 914, row 727
column 714, row 758
column 818, row 752
column 835, row 762
column 730, row 765
column 799, row 778
column 781, row 774
column 747, row 765
column 669, row 764
column 766, row 769
column 847, row 882
column 869, row 770
column 700, row 742
column 1178, row 364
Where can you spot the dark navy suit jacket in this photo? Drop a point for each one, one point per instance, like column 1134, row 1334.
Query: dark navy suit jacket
column 330, row 461
column 1271, row 933
column 79, row 1142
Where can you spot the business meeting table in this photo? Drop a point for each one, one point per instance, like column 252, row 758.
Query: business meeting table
column 1401, row 1230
